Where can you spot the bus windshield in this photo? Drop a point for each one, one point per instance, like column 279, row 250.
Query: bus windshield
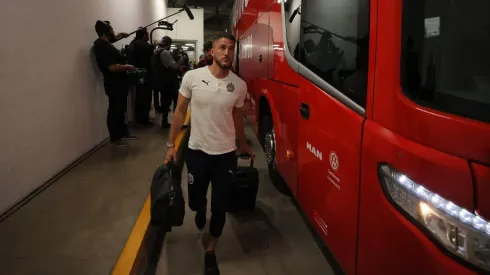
column 445, row 62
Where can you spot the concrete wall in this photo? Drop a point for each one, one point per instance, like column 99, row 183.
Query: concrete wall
column 52, row 102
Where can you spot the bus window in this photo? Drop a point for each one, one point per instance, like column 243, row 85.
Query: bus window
column 446, row 56
column 334, row 44
column 293, row 21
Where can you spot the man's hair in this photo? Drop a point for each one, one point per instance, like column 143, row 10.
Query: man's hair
column 101, row 27
column 165, row 41
column 207, row 46
column 141, row 32
column 224, row 35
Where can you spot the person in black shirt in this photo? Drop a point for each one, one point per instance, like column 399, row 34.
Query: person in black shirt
column 113, row 67
column 139, row 54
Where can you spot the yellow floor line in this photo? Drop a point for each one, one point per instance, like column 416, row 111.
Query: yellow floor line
column 128, row 256
column 127, row 259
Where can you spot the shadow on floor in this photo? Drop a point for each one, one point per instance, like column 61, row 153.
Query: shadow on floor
column 255, row 232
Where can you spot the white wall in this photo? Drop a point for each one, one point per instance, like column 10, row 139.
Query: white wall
column 186, row 29
column 52, row 102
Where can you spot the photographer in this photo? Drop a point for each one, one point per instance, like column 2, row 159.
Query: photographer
column 179, row 55
column 114, row 69
column 139, row 54
column 164, row 71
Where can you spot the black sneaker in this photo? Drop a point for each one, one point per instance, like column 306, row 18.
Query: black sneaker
column 210, row 264
column 120, row 143
column 130, row 138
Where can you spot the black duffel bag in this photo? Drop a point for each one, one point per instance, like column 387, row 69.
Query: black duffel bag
column 167, row 200
column 244, row 188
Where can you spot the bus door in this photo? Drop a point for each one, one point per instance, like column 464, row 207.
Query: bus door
column 285, row 81
column 333, row 87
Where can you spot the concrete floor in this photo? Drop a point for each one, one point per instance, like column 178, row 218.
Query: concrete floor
column 274, row 240
column 80, row 224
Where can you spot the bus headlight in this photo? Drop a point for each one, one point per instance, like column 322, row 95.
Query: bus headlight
column 462, row 233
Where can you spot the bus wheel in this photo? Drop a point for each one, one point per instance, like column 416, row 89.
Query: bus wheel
column 269, row 144
column 270, row 147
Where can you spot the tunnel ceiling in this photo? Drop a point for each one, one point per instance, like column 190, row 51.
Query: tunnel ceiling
column 217, row 14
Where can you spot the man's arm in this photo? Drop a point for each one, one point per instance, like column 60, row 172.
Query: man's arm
column 121, row 35
column 238, row 119
column 178, row 118
column 239, row 126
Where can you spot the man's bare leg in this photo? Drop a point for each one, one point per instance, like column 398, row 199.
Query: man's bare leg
column 211, row 244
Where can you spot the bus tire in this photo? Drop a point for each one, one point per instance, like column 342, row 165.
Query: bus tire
column 268, row 141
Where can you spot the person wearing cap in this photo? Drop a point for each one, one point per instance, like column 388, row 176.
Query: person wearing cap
column 139, row 54
column 164, row 72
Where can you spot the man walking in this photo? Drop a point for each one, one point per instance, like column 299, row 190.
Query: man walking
column 113, row 67
column 216, row 96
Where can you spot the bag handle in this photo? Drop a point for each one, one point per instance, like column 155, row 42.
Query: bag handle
column 247, row 156
column 169, row 164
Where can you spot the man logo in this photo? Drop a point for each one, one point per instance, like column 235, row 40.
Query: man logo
column 314, row 151
column 191, row 179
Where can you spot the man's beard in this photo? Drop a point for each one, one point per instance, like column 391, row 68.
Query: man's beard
column 112, row 38
column 222, row 66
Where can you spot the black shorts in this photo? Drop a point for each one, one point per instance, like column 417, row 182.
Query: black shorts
column 203, row 169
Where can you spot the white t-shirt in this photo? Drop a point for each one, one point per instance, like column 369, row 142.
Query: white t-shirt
column 211, row 102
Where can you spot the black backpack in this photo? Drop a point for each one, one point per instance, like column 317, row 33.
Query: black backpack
column 167, row 200
column 161, row 76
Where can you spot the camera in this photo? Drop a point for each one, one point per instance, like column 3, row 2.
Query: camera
column 138, row 75
column 178, row 54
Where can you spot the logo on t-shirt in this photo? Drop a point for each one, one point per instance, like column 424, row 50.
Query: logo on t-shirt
column 207, row 83
column 230, row 87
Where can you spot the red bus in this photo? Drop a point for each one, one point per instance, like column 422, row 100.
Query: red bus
column 375, row 114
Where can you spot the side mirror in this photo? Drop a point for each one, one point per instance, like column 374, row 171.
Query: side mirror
column 295, row 12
